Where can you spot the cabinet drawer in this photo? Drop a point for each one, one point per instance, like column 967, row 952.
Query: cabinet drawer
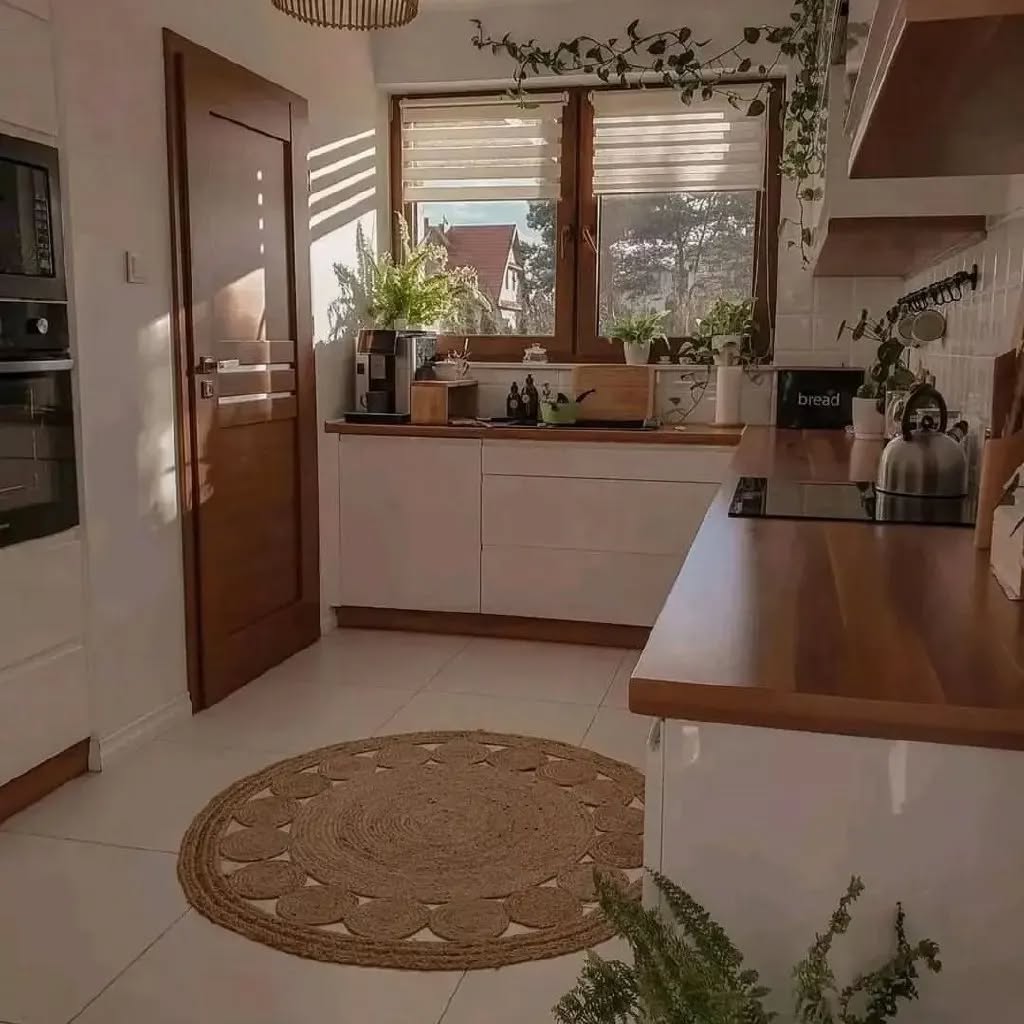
column 585, row 586
column 44, row 709
column 40, row 596
column 607, row 461
column 643, row 516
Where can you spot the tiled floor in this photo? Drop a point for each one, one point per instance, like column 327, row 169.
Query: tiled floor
column 93, row 926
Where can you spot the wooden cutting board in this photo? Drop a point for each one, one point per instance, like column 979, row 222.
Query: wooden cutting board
column 623, row 393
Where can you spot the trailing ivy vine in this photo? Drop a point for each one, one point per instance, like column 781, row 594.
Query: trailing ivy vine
column 699, row 68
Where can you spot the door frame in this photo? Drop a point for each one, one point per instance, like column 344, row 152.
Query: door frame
column 176, row 50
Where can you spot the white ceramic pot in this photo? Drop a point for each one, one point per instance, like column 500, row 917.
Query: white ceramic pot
column 868, row 422
column 637, row 354
column 728, row 388
column 451, row 371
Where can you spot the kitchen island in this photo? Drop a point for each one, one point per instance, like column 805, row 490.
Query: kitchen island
column 833, row 699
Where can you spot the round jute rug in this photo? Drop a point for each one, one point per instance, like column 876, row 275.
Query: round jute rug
column 428, row 851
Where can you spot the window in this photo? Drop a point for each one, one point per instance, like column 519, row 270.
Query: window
column 593, row 203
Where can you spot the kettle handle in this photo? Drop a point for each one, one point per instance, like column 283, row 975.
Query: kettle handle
column 922, row 391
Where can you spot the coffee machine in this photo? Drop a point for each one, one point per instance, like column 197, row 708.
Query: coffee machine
column 387, row 363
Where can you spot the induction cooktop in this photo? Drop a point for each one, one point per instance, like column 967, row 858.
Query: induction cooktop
column 759, row 497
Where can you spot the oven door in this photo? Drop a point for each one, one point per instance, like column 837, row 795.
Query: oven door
column 38, row 480
column 31, row 237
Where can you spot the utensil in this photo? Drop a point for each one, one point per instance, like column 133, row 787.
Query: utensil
column 928, row 326
column 925, row 462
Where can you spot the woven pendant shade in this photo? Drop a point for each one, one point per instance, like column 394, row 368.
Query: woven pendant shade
column 358, row 14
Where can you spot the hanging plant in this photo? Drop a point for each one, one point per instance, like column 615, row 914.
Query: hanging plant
column 696, row 68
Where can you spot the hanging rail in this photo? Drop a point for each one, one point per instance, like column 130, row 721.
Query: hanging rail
column 949, row 289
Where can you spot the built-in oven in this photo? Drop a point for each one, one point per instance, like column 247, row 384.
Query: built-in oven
column 31, row 238
column 38, row 479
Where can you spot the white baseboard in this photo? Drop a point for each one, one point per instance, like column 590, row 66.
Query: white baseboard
column 149, row 726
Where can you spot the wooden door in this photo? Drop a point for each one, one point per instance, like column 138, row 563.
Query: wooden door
column 244, row 337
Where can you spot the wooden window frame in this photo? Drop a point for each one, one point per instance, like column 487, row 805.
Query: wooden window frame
column 576, row 337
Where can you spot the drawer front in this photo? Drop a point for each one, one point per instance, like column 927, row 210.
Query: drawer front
column 583, row 586
column 642, row 516
column 40, row 596
column 607, row 461
column 44, row 709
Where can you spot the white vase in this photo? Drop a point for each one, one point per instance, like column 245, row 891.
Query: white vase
column 637, row 353
column 868, row 422
column 728, row 387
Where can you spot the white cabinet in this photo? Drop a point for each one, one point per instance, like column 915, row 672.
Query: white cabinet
column 410, row 523
column 641, row 516
column 43, row 684
column 28, row 103
column 613, row 587
column 766, row 826
column 590, row 532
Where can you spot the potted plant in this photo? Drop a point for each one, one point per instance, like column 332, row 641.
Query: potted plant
column 419, row 290
column 637, row 331
column 685, row 968
column 725, row 330
column 886, row 375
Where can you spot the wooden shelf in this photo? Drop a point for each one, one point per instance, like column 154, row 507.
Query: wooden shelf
column 892, row 246
column 939, row 92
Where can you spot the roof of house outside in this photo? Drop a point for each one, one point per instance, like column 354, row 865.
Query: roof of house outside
column 485, row 247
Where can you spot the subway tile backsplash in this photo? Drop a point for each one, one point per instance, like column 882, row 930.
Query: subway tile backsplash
column 983, row 325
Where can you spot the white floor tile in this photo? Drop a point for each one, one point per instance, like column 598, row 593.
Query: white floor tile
column 75, row 915
column 292, row 714
column 522, row 993
column 620, row 734
column 198, row 972
column 376, row 657
column 146, row 800
column 618, row 693
column 531, row 671
column 546, row 719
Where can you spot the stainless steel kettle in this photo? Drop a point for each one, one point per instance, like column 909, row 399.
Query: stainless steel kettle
column 925, row 462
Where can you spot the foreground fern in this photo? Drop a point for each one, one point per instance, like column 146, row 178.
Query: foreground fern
column 687, row 971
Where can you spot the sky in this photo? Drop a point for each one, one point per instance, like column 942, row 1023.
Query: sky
column 513, row 212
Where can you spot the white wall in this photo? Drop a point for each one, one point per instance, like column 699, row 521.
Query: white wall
column 109, row 63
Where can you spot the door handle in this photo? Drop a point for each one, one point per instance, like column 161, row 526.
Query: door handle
column 206, row 364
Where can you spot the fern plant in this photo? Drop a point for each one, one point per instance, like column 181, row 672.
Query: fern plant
column 686, row 970
column 638, row 328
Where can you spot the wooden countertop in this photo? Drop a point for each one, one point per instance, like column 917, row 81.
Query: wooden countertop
column 895, row 632
column 700, row 433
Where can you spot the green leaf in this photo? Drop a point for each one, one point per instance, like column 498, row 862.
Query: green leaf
column 631, row 28
column 658, row 47
column 707, row 92
column 744, row 65
column 684, row 34
column 751, row 34
column 756, row 108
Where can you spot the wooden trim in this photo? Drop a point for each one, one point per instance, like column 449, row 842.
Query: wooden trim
column 503, row 627
column 175, row 49
column 766, row 234
column 692, row 434
column 42, row 780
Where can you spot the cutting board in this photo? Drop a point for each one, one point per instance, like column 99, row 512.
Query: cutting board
column 623, row 393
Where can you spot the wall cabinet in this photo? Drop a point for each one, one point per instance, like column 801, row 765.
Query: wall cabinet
column 410, row 523
column 28, row 103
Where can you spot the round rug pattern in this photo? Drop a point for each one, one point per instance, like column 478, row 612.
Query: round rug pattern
column 427, row 851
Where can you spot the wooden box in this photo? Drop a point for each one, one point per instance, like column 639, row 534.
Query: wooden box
column 436, row 402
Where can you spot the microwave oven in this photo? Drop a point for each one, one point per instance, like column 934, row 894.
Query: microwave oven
column 31, row 235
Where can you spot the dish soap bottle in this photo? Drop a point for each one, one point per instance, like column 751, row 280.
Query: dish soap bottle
column 531, row 400
column 514, row 404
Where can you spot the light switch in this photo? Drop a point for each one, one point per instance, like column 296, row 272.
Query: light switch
column 134, row 271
